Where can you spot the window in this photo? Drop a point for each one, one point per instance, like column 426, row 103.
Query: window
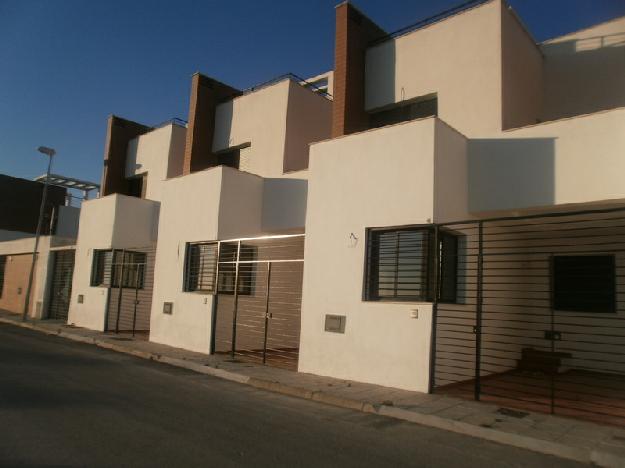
column 400, row 263
column 227, row 268
column 110, row 265
column 403, row 112
column 201, row 267
column 584, row 283
column 3, row 264
column 131, row 269
column 135, row 187
column 102, row 267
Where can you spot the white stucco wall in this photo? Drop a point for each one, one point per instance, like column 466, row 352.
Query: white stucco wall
column 570, row 161
column 309, row 119
column 585, row 70
column 372, row 179
column 278, row 122
column 231, row 207
column 158, row 154
column 259, row 118
column 458, row 58
column 114, row 221
column 522, row 73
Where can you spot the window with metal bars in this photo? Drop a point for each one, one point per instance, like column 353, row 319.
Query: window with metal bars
column 201, row 267
column 227, row 268
column 400, row 263
column 584, row 283
column 109, row 266
column 3, row 263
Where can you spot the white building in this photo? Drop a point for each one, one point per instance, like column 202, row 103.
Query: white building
column 410, row 181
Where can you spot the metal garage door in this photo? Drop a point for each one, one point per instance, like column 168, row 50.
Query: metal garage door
column 61, row 285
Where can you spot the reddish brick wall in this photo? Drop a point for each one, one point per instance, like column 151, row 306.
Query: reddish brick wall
column 13, row 292
column 206, row 93
column 119, row 132
column 354, row 32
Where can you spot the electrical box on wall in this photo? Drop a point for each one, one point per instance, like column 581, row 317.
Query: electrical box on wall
column 81, row 298
column 168, row 308
column 335, row 323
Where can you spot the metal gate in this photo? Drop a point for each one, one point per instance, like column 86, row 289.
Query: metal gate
column 259, row 295
column 61, row 284
column 539, row 319
column 130, row 291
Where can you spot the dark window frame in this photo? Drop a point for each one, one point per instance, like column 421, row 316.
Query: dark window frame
column 569, row 297
column 105, row 274
column 427, row 285
column 3, row 265
column 191, row 283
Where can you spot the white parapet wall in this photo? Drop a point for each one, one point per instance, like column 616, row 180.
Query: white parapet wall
column 565, row 162
column 378, row 178
column 115, row 221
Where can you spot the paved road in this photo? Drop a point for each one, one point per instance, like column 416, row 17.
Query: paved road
column 69, row 404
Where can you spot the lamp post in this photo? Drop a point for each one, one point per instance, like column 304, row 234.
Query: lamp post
column 50, row 153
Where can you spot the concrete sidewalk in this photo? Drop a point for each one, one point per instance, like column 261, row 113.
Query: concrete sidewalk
column 566, row 438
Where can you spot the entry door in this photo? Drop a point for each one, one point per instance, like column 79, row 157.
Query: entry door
column 61, row 287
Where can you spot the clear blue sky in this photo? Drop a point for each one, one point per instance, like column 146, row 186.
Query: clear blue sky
column 65, row 65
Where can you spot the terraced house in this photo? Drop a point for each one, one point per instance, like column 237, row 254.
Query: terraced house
column 442, row 212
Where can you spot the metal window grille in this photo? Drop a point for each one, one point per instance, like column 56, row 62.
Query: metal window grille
column 102, row 268
column 400, row 265
column 201, row 267
column 109, row 266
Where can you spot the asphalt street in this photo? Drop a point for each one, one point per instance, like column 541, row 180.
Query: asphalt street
column 69, row 404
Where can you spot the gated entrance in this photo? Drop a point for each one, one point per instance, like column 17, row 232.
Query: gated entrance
column 130, row 291
column 539, row 318
column 61, row 284
column 259, row 294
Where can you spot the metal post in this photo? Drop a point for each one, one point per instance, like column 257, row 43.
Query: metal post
column 435, row 288
column 134, row 316
column 37, row 235
column 121, row 288
column 478, row 318
column 236, row 300
column 267, row 312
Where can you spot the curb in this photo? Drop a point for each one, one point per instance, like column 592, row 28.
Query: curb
column 579, row 454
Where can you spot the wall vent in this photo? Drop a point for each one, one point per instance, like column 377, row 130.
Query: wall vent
column 335, row 323
column 168, row 308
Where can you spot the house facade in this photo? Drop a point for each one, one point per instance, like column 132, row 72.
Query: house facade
column 441, row 209
column 53, row 266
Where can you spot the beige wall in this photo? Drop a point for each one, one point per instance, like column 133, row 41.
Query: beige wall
column 570, row 161
column 522, row 73
column 258, row 118
column 13, row 292
column 458, row 58
column 585, row 71
column 377, row 178
column 20, row 252
column 114, row 221
column 158, row 154
column 309, row 119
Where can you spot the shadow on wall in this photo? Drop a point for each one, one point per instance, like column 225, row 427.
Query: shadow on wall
column 380, row 73
column 507, row 174
column 584, row 76
column 224, row 114
column 284, row 204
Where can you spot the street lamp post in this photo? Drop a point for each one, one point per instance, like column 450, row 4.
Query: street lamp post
column 50, row 153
